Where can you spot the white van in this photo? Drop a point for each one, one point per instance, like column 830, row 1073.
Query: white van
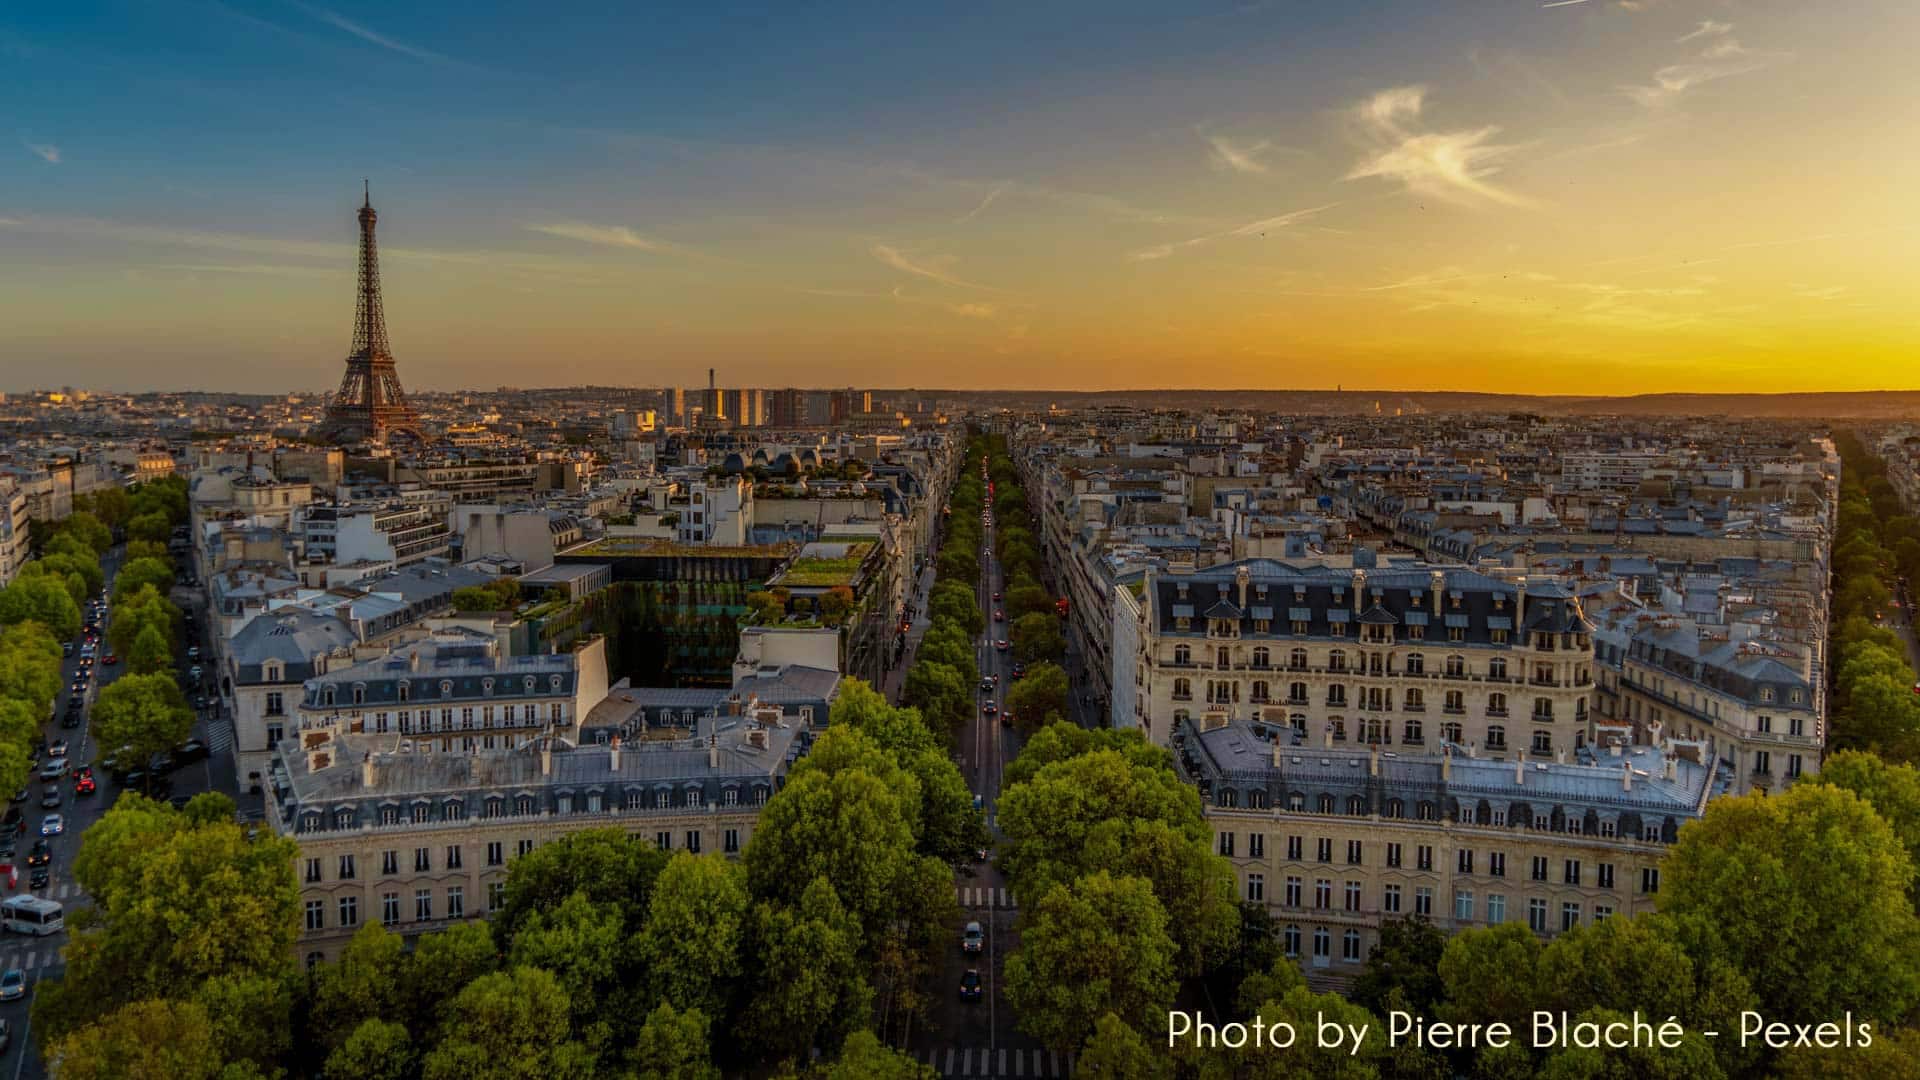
column 31, row 915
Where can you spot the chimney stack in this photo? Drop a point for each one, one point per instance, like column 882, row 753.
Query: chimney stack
column 1519, row 769
column 1276, row 751
column 1359, row 588
column 546, row 755
column 1626, row 776
column 1439, row 582
column 1446, row 762
column 613, row 755
column 1673, row 770
column 1373, row 760
column 367, row 772
column 713, row 750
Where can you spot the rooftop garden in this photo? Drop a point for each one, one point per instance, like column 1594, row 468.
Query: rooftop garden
column 644, row 545
column 812, row 571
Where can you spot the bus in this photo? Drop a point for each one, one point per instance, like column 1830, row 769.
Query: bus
column 31, row 915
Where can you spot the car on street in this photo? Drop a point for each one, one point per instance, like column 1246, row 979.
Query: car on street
column 84, row 785
column 66, row 648
column 990, row 709
column 111, row 660
column 1001, row 645
column 40, row 854
column 50, row 798
column 1006, row 718
column 986, row 684
column 189, row 751
column 974, row 939
column 970, row 985
column 193, row 672
column 6, row 1034
column 193, row 652
column 996, row 597
column 1019, row 669
column 978, row 802
column 71, row 720
column 39, row 878
column 54, row 770
column 57, row 748
column 52, row 825
column 999, row 616
column 13, row 985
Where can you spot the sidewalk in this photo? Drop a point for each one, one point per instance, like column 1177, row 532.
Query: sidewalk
column 896, row 676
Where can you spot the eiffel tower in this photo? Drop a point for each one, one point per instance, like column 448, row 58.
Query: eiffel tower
column 370, row 406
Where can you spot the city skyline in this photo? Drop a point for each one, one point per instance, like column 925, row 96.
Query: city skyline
column 1591, row 198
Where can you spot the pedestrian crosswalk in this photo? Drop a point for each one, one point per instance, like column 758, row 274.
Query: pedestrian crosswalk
column 1000, row 1063
column 980, row 896
column 41, row 954
column 219, row 736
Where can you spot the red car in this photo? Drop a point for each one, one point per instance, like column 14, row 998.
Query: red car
column 999, row 616
column 110, row 660
column 83, row 785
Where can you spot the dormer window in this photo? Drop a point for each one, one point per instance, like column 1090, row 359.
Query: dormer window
column 326, row 696
column 446, row 687
column 528, row 683
column 553, row 683
column 405, row 689
column 359, row 693
column 272, row 671
column 486, row 685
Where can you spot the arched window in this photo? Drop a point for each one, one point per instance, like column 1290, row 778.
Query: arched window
column 1183, row 689
column 1337, row 660
column 1259, row 691
column 1543, row 708
column 1497, row 668
column 1326, row 804
column 1416, row 664
column 1395, row 808
column 1496, row 704
column 1456, row 702
column 1297, row 693
column 1416, row 700
column 1450, row 731
column 1357, row 805
column 1229, row 798
column 1261, row 657
column 523, row 804
column 1456, row 667
column 1413, row 732
column 1297, row 659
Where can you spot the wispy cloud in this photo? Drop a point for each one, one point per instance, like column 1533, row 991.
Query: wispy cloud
column 263, row 269
column 975, row 311
column 341, row 22
column 1251, row 228
column 606, row 235
column 1707, row 28
column 1562, row 3
column 1830, row 292
column 46, row 152
column 1723, row 58
column 1243, row 157
column 997, row 191
column 1453, row 165
column 933, row 268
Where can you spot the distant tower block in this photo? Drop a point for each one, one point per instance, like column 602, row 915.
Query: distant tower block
column 370, row 406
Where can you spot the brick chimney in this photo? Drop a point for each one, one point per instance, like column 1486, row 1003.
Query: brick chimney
column 1439, row 583
column 546, row 755
column 613, row 754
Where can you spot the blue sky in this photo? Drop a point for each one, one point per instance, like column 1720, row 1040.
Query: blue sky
column 1044, row 194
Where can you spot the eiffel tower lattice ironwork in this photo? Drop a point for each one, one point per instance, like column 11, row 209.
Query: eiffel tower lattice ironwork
column 370, row 406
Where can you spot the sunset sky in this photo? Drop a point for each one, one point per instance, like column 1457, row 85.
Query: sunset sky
column 1590, row 196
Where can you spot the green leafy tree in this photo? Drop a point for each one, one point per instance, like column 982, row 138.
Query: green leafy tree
column 1692, row 1060
column 1037, row 637
column 1117, row 1052
column 150, row 654
column 948, row 826
column 175, row 904
column 89, row 530
column 442, row 965
column 1895, row 1052
column 1275, row 982
column 140, row 573
column 673, row 1046
column 251, row 1017
column 865, row 1058
column 367, row 983
column 148, row 549
column 152, row 527
column 154, row 1039
column 1893, row 790
column 1039, row 699
column 586, row 946
column 376, row 1049
column 695, row 931
column 608, row 866
column 1096, row 946
column 42, row 599
column 939, row 692
column 854, row 825
column 508, row 1025
column 1833, row 878
column 1061, row 742
column 1491, row 974
column 143, row 713
column 810, row 986
column 1407, row 959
